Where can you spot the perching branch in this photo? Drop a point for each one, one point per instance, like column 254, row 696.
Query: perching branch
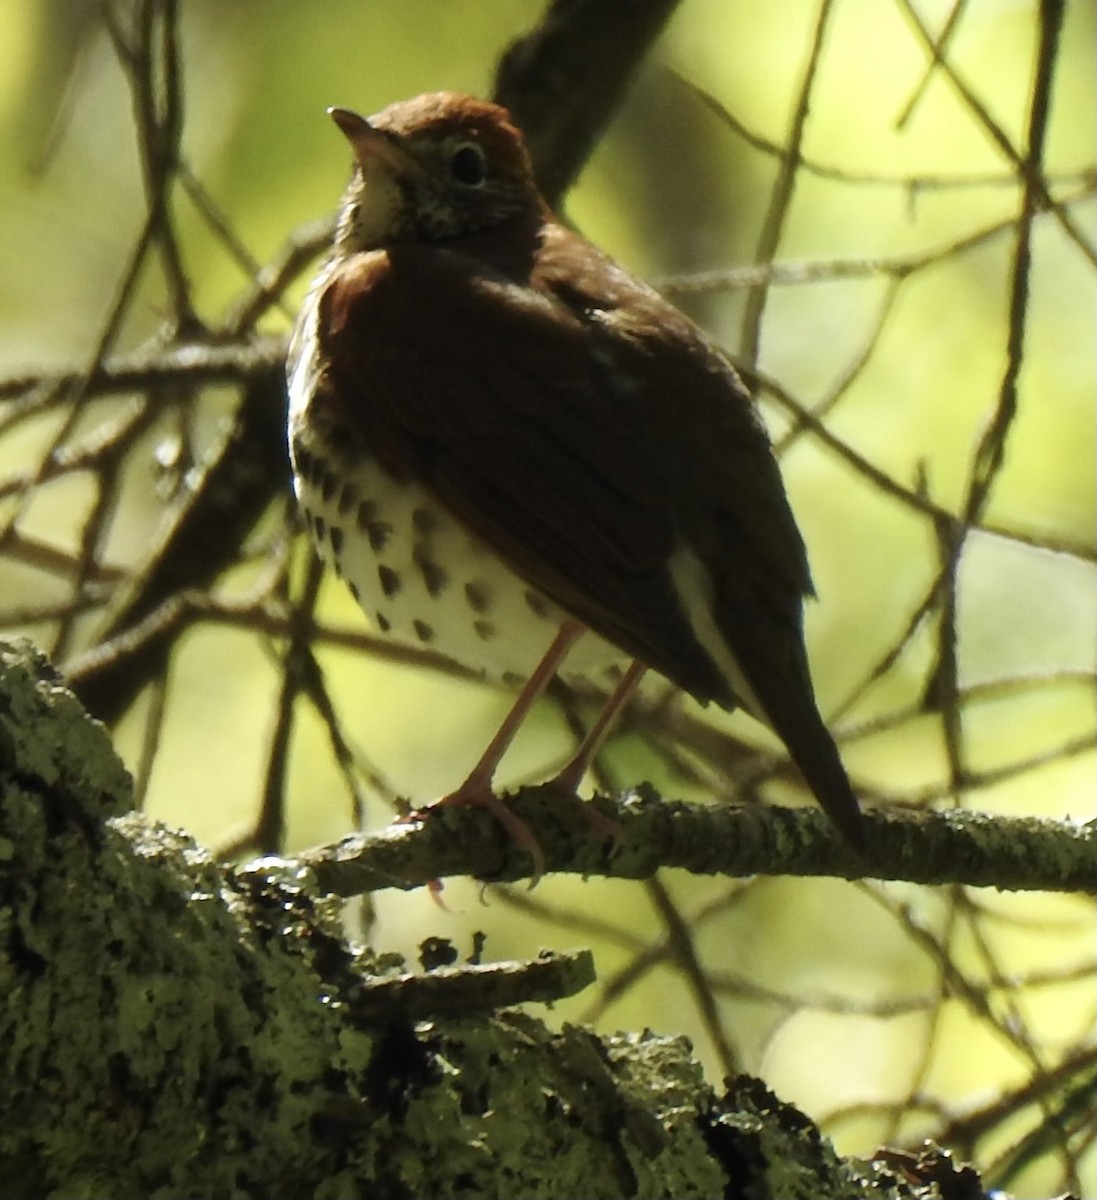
column 175, row 1026
column 961, row 847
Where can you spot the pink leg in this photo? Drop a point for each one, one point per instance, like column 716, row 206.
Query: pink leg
column 477, row 788
column 571, row 776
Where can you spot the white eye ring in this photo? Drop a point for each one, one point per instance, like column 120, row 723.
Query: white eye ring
column 468, row 166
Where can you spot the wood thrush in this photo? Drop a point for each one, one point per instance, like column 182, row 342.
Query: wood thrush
column 513, row 451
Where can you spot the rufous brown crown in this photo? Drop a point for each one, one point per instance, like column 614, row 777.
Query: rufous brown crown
column 438, row 166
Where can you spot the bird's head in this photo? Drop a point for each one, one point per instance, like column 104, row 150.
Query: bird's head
column 443, row 165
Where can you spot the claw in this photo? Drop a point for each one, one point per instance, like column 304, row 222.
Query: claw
column 473, row 792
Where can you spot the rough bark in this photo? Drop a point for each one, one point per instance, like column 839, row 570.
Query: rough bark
column 176, row 1027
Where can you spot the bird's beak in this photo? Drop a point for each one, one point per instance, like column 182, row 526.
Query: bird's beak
column 374, row 147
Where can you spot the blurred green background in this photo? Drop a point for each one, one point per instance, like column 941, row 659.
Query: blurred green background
column 839, row 995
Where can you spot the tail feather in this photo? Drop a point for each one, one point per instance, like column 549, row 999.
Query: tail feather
column 813, row 750
column 759, row 663
column 782, row 689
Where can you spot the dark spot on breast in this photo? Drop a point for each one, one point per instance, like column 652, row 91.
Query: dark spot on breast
column 538, row 605
column 485, row 630
column 378, row 533
column 354, row 592
column 390, row 581
column 328, row 484
column 434, row 577
column 337, row 541
column 478, row 597
column 423, row 631
column 320, row 528
column 382, row 622
column 348, row 498
column 513, row 678
column 315, row 470
column 302, row 458
column 376, row 530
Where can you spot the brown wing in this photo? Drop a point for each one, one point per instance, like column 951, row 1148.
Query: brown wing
column 586, row 431
column 730, row 508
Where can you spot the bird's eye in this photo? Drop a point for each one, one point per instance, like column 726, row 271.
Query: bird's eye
column 467, row 165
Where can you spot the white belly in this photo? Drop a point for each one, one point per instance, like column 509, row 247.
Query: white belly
column 423, row 578
column 419, row 575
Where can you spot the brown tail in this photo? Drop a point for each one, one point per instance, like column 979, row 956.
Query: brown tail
column 781, row 682
column 814, row 752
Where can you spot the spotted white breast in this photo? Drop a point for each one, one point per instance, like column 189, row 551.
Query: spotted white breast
column 419, row 575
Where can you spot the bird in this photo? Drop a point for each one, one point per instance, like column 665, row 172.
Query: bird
column 519, row 455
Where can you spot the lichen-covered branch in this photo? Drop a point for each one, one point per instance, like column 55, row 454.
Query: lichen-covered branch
column 976, row 849
column 176, row 1027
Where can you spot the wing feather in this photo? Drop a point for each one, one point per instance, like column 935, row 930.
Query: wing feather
column 585, row 432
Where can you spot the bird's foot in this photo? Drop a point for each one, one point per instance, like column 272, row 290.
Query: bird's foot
column 475, row 791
